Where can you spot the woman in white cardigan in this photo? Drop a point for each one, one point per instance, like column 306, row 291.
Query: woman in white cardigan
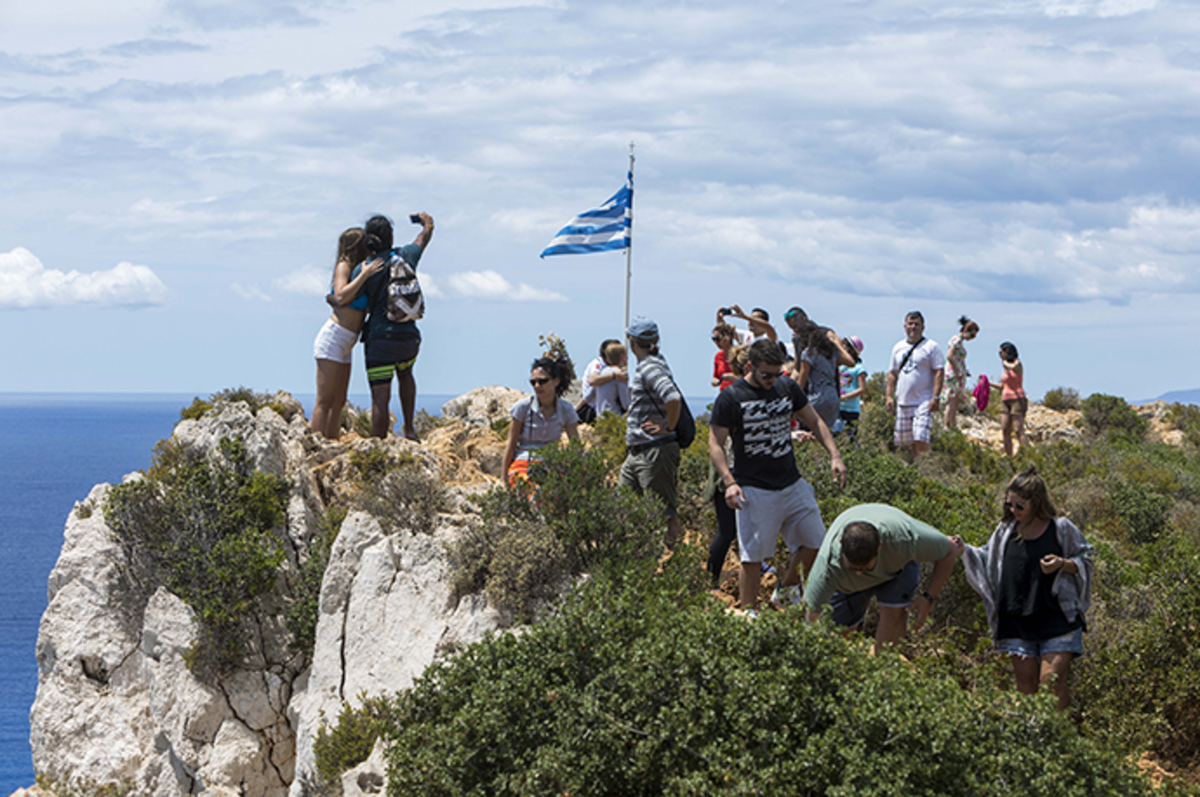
column 1034, row 576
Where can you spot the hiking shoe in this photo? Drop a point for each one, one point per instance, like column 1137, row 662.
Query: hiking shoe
column 784, row 597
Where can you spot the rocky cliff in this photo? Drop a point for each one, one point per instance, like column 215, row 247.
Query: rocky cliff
column 117, row 704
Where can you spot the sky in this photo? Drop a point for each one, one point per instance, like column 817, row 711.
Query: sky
column 174, row 175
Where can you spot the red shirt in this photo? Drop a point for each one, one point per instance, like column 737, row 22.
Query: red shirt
column 720, row 368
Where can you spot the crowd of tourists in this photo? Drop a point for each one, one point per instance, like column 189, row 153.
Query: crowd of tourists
column 1033, row 574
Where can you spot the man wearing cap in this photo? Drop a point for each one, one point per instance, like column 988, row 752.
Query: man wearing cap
column 765, row 486
column 876, row 550
column 914, row 382
column 652, row 459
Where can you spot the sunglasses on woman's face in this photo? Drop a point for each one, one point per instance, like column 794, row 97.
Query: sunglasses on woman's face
column 538, row 381
column 1015, row 506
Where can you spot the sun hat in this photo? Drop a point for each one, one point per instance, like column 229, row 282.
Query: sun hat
column 858, row 344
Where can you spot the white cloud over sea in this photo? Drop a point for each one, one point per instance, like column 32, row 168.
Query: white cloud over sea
column 980, row 157
column 26, row 283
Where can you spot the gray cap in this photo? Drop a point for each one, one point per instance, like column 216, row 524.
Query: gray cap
column 643, row 328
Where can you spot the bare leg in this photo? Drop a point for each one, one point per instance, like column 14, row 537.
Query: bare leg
column 333, row 378
column 674, row 532
column 1006, row 432
column 802, row 556
column 1019, row 428
column 1054, row 670
column 893, row 622
column 1026, row 668
column 918, row 448
column 381, row 394
column 408, row 401
column 952, row 410
column 748, row 584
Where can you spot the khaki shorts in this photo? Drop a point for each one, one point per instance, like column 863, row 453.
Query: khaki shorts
column 1016, row 406
column 654, row 471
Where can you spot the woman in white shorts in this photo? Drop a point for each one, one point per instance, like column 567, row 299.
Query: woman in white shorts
column 337, row 337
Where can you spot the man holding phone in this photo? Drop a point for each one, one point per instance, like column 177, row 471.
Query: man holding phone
column 391, row 336
column 764, row 486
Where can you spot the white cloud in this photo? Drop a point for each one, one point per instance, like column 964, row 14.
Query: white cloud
column 305, row 282
column 251, row 293
column 490, row 285
column 26, row 283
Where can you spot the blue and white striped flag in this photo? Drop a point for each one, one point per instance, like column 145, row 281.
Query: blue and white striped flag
column 604, row 229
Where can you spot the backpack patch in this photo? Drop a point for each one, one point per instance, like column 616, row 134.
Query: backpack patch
column 405, row 301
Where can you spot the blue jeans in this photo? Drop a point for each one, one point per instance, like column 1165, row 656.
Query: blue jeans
column 1071, row 642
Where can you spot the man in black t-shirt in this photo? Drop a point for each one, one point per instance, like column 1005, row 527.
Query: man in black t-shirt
column 764, row 486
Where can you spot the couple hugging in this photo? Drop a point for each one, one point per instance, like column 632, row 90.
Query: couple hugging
column 374, row 291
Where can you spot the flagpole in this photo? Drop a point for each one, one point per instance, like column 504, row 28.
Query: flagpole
column 629, row 247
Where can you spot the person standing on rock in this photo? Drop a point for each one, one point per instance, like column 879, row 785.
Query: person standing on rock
column 1014, row 403
column 956, row 369
column 652, row 458
column 765, row 487
column 914, row 383
column 391, row 335
column 875, row 550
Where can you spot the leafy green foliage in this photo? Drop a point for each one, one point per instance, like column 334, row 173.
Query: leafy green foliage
column 303, row 614
column 205, row 527
column 536, row 536
column 638, row 686
column 1061, row 398
column 1103, row 413
column 1186, row 418
column 405, row 496
column 425, row 423
column 348, row 742
column 199, row 407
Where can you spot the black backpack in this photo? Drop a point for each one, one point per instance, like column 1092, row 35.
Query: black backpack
column 685, row 427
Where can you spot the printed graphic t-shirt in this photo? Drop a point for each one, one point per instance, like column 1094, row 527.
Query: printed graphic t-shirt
column 760, row 422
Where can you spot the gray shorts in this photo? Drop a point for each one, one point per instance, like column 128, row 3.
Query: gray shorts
column 792, row 512
column 850, row 609
column 654, row 471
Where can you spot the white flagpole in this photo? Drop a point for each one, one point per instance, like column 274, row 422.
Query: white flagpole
column 629, row 248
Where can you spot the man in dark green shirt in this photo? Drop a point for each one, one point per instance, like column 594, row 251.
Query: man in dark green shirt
column 876, row 550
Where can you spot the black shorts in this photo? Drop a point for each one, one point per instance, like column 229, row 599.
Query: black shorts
column 386, row 356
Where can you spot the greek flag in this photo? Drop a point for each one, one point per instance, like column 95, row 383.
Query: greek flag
column 604, row 229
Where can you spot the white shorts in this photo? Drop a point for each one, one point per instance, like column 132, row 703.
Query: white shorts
column 334, row 342
column 913, row 423
column 792, row 512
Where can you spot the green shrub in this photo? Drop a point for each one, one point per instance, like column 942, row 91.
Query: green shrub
column 500, row 426
column 348, row 743
column 1103, row 413
column 302, row 616
column 206, row 528
column 1143, row 511
column 199, row 407
column 425, row 423
column 1186, row 418
column 609, row 430
column 1061, row 398
column 535, row 537
column 638, row 686
column 406, row 497
column 375, row 462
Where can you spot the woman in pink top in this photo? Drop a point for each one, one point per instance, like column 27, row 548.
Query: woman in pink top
column 1014, row 403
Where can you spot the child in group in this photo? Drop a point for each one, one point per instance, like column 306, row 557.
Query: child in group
column 853, row 386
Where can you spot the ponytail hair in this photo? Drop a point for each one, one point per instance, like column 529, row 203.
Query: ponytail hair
column 965, row 324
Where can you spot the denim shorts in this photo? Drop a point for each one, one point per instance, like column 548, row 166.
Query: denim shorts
column 850, row 609
column 1070, row 642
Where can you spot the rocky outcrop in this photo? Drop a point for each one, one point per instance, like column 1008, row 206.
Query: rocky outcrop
column 117, row 703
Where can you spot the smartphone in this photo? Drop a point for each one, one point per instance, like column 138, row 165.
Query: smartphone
column 414, row 218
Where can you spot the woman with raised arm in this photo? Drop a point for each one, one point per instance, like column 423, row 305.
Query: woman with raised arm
column 540, row 419
column 817, row 370
column 1034, row 576
column 955, row 389
column 335, row 342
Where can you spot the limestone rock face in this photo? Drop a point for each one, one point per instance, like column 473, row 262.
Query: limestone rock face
column 482, row 405
column 116, row 701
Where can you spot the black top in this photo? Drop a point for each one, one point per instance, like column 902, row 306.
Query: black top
column 1027, row 609
column 760, row 422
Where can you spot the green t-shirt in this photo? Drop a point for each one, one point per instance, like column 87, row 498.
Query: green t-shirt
column 902, row 539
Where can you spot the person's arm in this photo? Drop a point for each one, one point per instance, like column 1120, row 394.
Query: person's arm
column 942, row 569
column 939, row 377
column 422, row 239
column 844, row 357
column 809, row 417
column 890, row 391
column 717, row 435
column 346, row 290
column 802, row 373
column 664, row 425
column 860, row 390
column 510, row 450
column 572, row 431
column 600, row 376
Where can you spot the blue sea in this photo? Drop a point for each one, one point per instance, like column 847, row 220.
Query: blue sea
column 53, row 449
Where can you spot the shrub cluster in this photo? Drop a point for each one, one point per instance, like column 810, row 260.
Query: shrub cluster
column 256, row 401
column 305, row 610
column 1103, row 413
column 1061, row 398
column 638, row 687
column 535, row 537
column 207, row 528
